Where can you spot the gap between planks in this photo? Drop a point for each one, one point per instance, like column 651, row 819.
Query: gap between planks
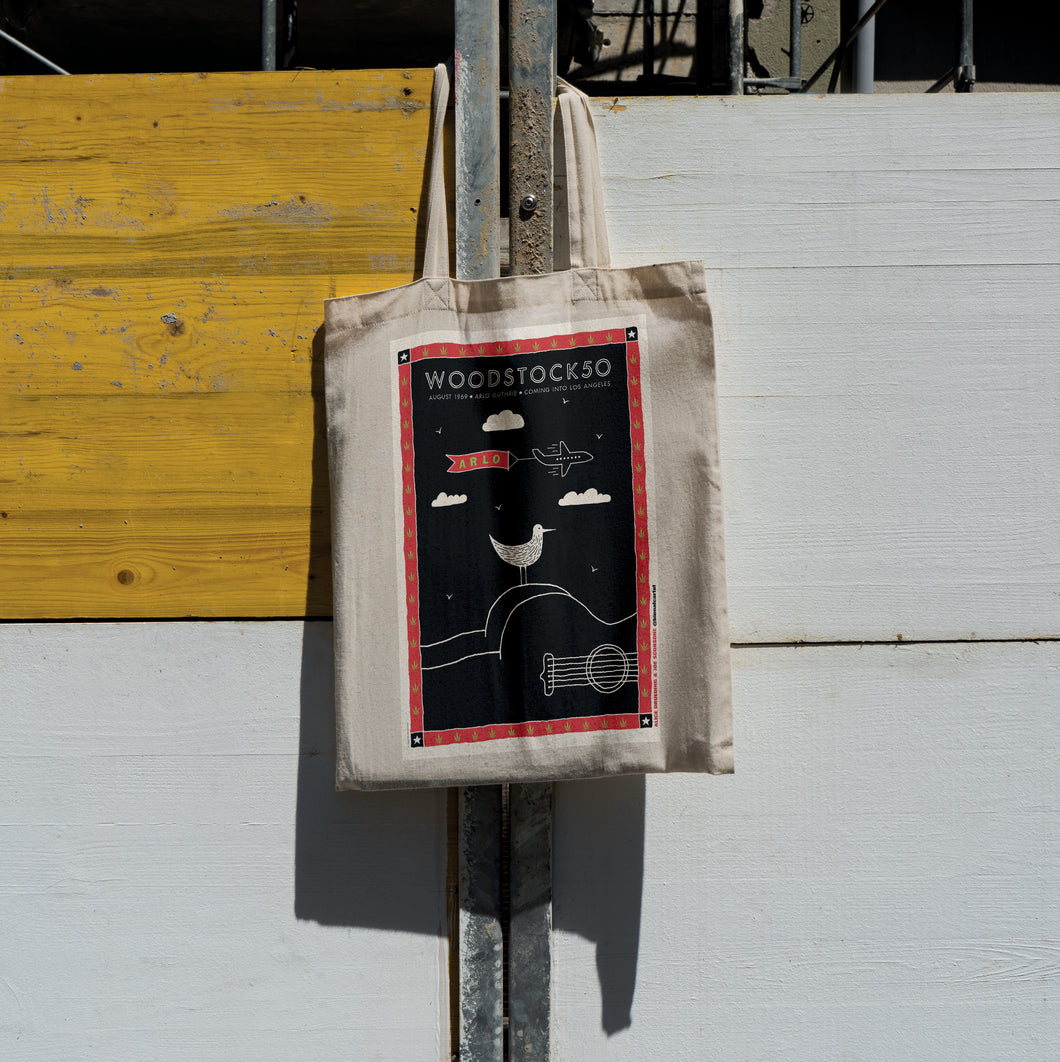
column 793, row 644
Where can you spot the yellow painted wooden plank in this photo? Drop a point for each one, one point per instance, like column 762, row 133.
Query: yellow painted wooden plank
column 166, row 244
column 184, row 562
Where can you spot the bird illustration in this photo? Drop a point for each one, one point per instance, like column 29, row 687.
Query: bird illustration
column 523, row 555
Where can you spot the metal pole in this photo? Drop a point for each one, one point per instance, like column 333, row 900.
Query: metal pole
column 795, row 64
column 478, row 135
column 530, row 932
column 840, row 50
column 865, row 53
column 480, row 941
column 736, row 62
column 268, row 34
column 30, row 52
column 479, row 944
column 532, row 76
column 965, row 79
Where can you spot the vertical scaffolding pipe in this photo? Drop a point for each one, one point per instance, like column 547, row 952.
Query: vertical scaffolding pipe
column 965, row 79
column 835, row 59
column 532, row 78
column 268, row 34
column 478, row 135
column 480, row 943
column 736, row 62
column 532, row 92
column 479, row 940
column 795, row 59
column 865, row 52
column 530, row 933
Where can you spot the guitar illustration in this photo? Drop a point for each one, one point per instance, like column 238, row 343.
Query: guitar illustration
column 605, row 669
column 541, row 655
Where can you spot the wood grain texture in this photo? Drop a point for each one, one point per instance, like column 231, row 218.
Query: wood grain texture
column 883, row 273
column 886, row 305
column 877, row 880
column 166, row 244
column 180, row 878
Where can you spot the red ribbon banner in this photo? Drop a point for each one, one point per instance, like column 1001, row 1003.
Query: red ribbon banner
column 484, row 459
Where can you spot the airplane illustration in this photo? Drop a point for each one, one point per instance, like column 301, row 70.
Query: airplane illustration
column 558, row 459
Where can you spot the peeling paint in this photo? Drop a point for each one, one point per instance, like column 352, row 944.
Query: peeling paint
column 173, row 323
column 296, row 208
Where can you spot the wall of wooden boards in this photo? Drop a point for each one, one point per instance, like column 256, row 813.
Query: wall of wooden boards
column 880, row 877
column 166, row 245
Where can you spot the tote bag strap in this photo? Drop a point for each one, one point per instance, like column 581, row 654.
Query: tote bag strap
column 585, row 194
column 585, row 188
column 436, row 251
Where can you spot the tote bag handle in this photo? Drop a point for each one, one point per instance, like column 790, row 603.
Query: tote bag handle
column 436, row 252
column 585, row 199
column 585, row 187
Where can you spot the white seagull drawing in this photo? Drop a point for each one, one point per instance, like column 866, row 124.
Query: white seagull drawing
column 523, row 555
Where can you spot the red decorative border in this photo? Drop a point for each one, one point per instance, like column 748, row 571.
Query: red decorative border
column 645, row 668
column 645, row 642
column 540, row 728
column 409, row 546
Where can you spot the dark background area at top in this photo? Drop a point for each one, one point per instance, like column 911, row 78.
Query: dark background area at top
column 1015, row 44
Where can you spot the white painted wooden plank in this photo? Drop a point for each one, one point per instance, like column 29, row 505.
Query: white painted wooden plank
column 704, row 187
column 802, row 235
column 889, row 430
column 179, row 878
column 878, row 880
column 890, row 478
column 786, row 134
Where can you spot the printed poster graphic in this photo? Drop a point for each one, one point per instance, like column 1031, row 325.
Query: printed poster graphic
column 525, row 529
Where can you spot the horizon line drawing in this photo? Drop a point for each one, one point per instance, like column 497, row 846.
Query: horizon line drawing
column 498, row 616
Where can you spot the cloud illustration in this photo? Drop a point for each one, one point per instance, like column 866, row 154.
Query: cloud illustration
column 448, row 499
column 506, row 420
column 590, row 497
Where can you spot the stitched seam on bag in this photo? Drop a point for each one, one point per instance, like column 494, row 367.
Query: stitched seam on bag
column 584, row 288
column 439, row 290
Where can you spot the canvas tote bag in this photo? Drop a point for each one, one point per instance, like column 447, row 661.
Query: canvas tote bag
column 527, row 523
